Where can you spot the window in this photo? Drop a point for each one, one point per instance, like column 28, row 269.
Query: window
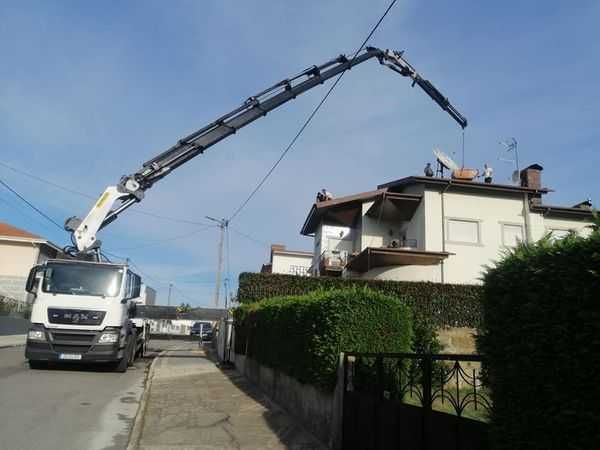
column 298, row 270
column 463, row 231
column 512, row 234
column 82, row 279
column 559, row 233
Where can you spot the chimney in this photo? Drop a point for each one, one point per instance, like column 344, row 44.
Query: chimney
column 531, row 177
column 275, row 248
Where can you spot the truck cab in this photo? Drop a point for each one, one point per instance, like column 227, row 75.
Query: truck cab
column 82, row 311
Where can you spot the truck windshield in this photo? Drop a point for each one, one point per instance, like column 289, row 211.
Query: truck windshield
column 82, row 279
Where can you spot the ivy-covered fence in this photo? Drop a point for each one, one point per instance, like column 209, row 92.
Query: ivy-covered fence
column 303, row 335
column 540, row 340
column 441, row 305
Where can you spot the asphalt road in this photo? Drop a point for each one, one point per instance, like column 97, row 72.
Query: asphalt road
column 66, row 407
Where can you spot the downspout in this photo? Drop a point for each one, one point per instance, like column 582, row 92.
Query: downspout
column 443, row 228
column 527, row 220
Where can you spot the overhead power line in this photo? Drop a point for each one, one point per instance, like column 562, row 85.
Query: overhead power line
column 31, row 205
column 310, row 117
column 174, row 238
column 91, row 197
column 250, row 238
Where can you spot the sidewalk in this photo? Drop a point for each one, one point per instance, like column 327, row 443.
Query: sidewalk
column 12, row 340
column 192, row 404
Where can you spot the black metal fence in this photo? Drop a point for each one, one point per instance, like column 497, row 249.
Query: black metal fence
column 414, row 402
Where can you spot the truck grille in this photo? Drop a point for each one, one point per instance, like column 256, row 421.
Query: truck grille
column 72, row 341
column 75, row 316
column 73, row 337
column 70, row 348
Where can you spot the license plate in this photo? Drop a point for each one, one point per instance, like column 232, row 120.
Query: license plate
column 69, row 356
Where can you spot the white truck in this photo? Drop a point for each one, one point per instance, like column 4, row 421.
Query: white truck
column 84, row 311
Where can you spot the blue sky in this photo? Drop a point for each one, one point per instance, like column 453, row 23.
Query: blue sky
column 90, row 90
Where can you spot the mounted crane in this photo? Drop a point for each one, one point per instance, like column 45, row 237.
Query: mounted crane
column 131, row 188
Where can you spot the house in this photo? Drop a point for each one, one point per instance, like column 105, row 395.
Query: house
column 434, row 229
column 291, row 262
column 20, row 250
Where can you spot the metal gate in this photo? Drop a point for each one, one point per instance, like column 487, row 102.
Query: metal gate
column 414, row 402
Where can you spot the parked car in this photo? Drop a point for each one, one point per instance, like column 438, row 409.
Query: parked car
column 206, row 327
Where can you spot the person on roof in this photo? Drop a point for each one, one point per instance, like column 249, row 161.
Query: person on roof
column 488, row 172
column 324, row 195
column 428, row 170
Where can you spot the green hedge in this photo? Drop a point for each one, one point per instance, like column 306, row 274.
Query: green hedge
column 541, row 342
column 303, row 336
column 440, row 304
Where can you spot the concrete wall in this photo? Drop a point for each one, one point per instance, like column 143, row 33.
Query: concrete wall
column 175, row 327
column 404, row 273
column 318, row 411
column 460, row 340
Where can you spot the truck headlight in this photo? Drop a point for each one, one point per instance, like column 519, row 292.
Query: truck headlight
column 36, row 335
column 109, row 338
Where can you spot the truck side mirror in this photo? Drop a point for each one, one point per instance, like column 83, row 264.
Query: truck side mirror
column 30, row 285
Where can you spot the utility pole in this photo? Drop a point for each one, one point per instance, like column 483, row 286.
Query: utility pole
column 223, row 224
column 169, row 298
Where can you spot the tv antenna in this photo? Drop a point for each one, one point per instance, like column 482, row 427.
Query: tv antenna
column 511, row 146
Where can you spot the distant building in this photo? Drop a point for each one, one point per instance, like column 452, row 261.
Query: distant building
column 290, row 262
column 434, row 229
column 147, row 296
column 20, row 250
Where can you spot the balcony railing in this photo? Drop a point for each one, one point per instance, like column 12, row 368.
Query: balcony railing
column 332, row 262
column 408, row 244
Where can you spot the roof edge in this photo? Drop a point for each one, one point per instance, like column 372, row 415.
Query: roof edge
column 412, row 180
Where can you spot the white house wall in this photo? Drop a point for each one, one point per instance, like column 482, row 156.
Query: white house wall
column 374, row 232
column 16, row 259
column 331, row 235
column 285, row 263
column 318, row 245
column 490, row 211
column 581, row 227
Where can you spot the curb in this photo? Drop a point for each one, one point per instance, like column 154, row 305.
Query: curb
column 138, row 424
column 15, row 344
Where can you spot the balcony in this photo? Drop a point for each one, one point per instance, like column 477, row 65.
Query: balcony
column 404, row 254
column 332, row 262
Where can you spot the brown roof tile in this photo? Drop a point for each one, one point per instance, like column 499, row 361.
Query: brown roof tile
column 10, row 231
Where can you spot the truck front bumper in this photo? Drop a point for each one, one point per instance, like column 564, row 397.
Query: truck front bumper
column 67, row 345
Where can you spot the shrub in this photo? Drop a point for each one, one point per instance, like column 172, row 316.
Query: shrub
column 303, row 336
column 540, row 339
column 441, row 305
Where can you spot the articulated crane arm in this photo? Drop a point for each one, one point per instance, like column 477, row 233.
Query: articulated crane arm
column 131, row 188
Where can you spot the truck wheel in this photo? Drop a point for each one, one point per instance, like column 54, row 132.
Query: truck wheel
column 142, row 351
column 38, row 365
column 123, row 363
column 133, row 351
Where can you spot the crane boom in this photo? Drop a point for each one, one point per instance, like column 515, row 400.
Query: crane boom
column 131, row 188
